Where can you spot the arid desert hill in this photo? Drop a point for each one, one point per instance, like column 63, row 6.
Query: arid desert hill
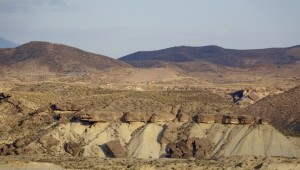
column 56, row 58
column 217, row 55
column 208, row 66
column 96, row 108
column 283, row 110
column 65, row 120
column 229, row 67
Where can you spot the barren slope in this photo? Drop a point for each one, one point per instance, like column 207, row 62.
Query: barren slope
column 283, row 110
column 56, row 58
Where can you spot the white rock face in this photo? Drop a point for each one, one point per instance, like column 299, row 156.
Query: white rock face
column 259, row 140
column 142, row 140
column 146, row 144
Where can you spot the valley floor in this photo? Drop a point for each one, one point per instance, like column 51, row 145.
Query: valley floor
column 52, row 162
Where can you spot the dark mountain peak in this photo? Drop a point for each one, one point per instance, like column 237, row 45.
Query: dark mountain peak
column 187, row 48
column 172, row 54
column 296, row 46
column 217, row 55
column 212, row 47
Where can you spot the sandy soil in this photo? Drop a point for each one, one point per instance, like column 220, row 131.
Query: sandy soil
column 153, row 74
column 241, row 162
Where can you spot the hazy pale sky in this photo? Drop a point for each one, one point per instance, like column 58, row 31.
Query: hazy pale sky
column 119, row 27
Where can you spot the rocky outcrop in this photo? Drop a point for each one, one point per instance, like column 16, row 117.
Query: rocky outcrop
column 229, row 119
column 162, row 117
column 135, row 117
column 100, row 116
column 24, row 141
column 194, row 147
column 65, row 107
column 73, row 148
column 116, row 149
column 48, row 142
column 245, row 119
column 205, row 118
column 184, row 117
column 253, row 96
column 201, row 147
column 247, row 97
column 170, row 133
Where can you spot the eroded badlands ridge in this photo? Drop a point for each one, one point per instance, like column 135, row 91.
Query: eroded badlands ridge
column 37, row 125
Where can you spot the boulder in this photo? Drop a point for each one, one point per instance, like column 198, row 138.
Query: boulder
column 136, row 117
column 226, row 119
column 170, row 133
column 230, row 119
column 175, row 152
column 62, row 119
column 65, row 107
column 245, row 119
column 203, row 148
column 193, row 147
column 48, row 142
column 73, row 148
column 259, row 120
column 218, row 118
column 116, row 149
column 234, row 119
column 253, row 96
column 162, row 117
column 183, row 117
column 205, row 118
column 184, row 149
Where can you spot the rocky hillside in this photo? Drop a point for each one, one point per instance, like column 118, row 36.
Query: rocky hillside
column 35, row 56
column 68, row 120
column 283, row 110
column 215, row 55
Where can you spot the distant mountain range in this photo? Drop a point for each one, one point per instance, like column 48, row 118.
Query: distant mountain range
column 7, row 44
column 55, row 57
column 62, row 58
column 214, row 55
